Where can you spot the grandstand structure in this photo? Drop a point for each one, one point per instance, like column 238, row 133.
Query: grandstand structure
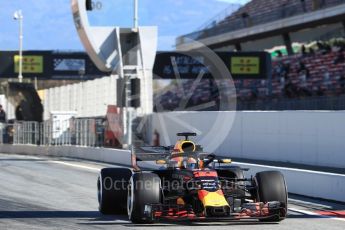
column 261, row 24
column 299, row 82
column 312, row 78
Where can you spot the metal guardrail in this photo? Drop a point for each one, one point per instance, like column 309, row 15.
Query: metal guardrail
column 85, row 132
column 2, row 132
column 285, row 11
column 26, row 133
column 81, row 132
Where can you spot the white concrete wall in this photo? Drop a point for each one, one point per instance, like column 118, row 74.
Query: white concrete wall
column 88, row 99
column 315, row 184
column 8, row 107
column 93, row 154
column 304, row 137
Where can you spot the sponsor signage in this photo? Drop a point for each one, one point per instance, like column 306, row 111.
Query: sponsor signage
column 49, row 65
column 188, row 65
column 31, row 64
column 245, row 65
column 114, row 127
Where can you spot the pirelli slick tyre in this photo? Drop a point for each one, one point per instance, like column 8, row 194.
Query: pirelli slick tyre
column 112, row 187
column 271, row 186
column 143, row 189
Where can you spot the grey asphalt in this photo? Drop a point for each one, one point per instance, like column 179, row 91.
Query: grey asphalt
column 58, row 193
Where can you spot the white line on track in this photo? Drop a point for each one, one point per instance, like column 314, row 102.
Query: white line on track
column 309, row 203
column 291, row 169
column 309, row 213
column 76, row 166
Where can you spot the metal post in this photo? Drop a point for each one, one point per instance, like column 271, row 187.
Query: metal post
column 25, row 136
column 44, row 133
column 288, row 43
column 15, row 134
column 127, row 112
column 129, row 140
column 41, row 134
column 19, row 16
column 136, row 14
column 49, row 133
column 70, row 125
column 128, row 119
column 20, row 47
column 1, row 133
column 36, row 133
column 87, row 133
column 18, row 132
column 79, row 133
column 84, row 132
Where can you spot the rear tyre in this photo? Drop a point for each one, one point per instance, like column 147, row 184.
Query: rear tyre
column 272, row 187
column 143, row 189
column 112, row 187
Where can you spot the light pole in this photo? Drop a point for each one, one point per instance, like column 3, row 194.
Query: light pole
column 19, row 16
column 136, row 14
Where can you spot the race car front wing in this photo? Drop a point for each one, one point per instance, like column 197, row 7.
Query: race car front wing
column 260, row 210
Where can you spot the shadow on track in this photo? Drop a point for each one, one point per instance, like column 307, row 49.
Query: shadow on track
column 109, row 220
column 22, row 160
column 304, row 216
column 169, row 224
column 201, row 224
column 100, row 222
column 51, row 214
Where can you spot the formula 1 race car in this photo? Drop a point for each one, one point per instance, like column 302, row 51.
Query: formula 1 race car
column 190, row 185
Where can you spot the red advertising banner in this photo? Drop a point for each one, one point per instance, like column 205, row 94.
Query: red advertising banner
column 114, row 127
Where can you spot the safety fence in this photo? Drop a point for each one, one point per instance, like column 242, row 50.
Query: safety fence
column 80, row 132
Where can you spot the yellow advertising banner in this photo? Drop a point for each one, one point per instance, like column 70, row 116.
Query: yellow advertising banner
column 31, row 64
column 245, row 65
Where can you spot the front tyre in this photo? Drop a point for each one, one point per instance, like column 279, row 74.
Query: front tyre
column 272, row 187
column 112, row 187
column 143, row 189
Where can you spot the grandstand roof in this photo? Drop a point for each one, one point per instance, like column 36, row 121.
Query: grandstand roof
column 278, row 16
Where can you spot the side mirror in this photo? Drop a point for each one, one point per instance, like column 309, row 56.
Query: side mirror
column 225, row 161
column 161, row 162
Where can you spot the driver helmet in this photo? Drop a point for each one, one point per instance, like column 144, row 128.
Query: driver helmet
column 191, row 163
column 177, row 162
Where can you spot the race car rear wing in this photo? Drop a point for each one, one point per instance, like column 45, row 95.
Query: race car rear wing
column 148, row 154
column 164, row 155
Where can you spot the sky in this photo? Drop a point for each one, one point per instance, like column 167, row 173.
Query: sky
column 48, row 24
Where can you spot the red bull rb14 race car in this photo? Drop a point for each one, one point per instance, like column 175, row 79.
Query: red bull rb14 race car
column 188, row 184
